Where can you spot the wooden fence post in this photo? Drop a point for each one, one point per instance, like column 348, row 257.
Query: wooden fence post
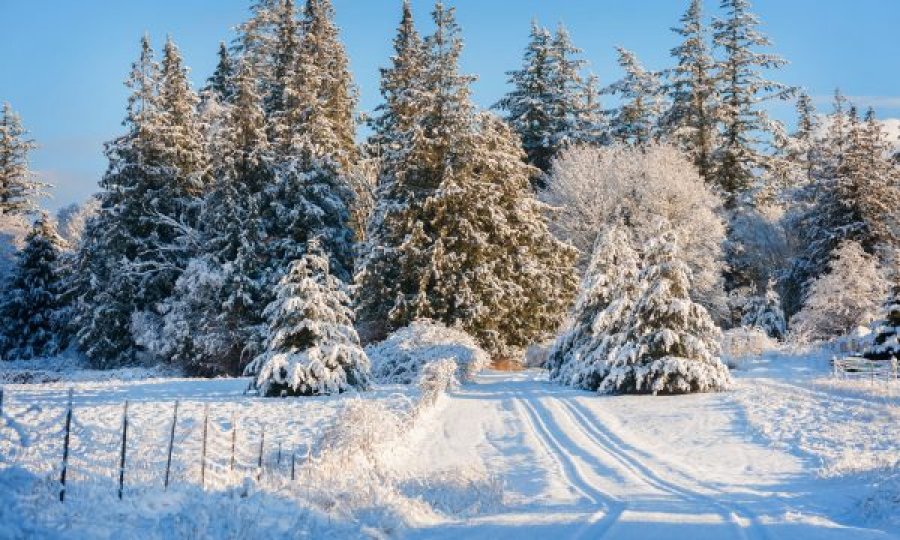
column 262, row 442
column 278, row 459
column 1, row 402
column 65, row 460
column 293, row 459
column 171, row 445
column 203, row 450
column 124, row 445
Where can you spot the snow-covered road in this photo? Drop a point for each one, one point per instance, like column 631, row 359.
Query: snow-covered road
column 576, row 465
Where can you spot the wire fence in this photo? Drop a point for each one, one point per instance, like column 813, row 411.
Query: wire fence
column 138, row 447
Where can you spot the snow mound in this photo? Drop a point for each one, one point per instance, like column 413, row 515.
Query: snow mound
column 401, row 358
column 745, row 343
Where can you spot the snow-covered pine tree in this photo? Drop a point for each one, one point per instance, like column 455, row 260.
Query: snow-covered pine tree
column 256, row 41
column 19, row 189
column 764, row 312
column 743, row 89
column 282, row 55
column 550, row 105
column 575, row 102
column 879, row 193
column 311, row 347
column 579, row 357
column 691, row 118
column 30, row 309
column 636, row 119
column 886, row 343
column 454, row 217
column 222, row 81
column 670, row 342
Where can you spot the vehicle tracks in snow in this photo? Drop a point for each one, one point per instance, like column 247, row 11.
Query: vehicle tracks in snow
column 597, row 523
column 744, row 522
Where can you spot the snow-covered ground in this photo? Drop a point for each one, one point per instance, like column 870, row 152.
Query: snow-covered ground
column 790, row 454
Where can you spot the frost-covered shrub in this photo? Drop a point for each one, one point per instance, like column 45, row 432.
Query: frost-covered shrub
column 436, row 379
column 311, row 347
column 401, row 357
column 537, row 355
column 743, row 342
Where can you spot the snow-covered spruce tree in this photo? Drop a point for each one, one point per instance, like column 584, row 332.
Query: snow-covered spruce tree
column 222, row 81
column 690, row 121
column 886, row 344
column 550, row 105
column 18, row 188
column 311, row 346
column 529, row 105
column 640, row 91
column 764, row 312
column 134, row 249
column 670, row 342
column 847, row 297
column 29, row 312
column 580, row 356
column 743, row 89
column 456, row 237
column 597, row 188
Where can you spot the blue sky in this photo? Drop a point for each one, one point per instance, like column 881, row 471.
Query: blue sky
column 62, row 63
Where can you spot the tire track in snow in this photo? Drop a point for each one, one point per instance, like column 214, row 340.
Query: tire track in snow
column 614, row 447
column 597, row 523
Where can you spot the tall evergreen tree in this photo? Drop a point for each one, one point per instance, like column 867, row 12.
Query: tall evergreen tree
column 401, row 91
column 30, row 326
column 550, row 105
column 691, row 118
column 213, row 321
column 315, row 150
column 222, row 81
column 743, row 89
column 18, row 187
column 456, row 236
column 529, row 105
column 635, row 121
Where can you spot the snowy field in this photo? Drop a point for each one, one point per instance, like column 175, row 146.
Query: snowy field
column 790, row 453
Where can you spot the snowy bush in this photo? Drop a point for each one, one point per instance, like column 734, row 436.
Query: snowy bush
column 312, row 347
column 743, row 342
column 537, row 355
column 436, row 379
column 401, row 358
column 886, row 339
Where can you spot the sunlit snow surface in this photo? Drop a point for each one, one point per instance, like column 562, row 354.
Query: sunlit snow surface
column 788, row 454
